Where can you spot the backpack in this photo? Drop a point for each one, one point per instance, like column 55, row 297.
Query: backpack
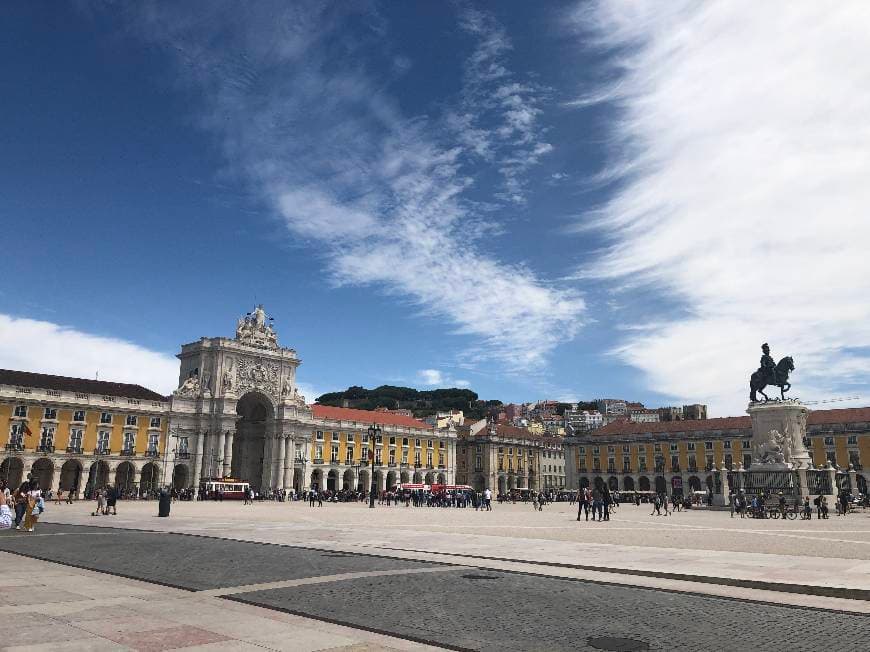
column 816, row 501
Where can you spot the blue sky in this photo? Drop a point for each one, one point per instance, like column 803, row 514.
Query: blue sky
column 533, row 200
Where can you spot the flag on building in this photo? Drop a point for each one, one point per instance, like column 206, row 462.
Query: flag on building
column 27, row 431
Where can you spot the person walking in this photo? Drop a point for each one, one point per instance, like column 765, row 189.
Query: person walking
column 657, row 505
column 19, row 499
column 111, row 500
column 35, row 506
column 487, row 499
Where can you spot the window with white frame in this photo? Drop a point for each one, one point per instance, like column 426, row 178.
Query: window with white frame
column 103, row 440
column 726, row 444
column 318, row 453
column 404, row 457
column 50, row 414
column 155, row 422
column 75, row 438
column 334, row 455
column 852, row 440
column 183, row 444
column 392, row 456
column 132, row 420
column 429, row 459
column 829, row 441
column 21, row 411
column 16, row 435
column 405, row 442
column 392, row 441
column 417, row 458
column 153, row 442
column 129, row 441
column 46, row 437
column 319, row 435
column 335, row 436
column 417, row 443
column 429, row 444
column 708, row 445
column 79, row 416
column 350, row 438
column 690, row 446
column 106, row 417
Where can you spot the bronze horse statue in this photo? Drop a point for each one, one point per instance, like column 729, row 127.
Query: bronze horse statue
column 758, row 381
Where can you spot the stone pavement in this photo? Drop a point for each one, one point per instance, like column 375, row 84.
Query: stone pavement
column 397, row 578
column 56, row 608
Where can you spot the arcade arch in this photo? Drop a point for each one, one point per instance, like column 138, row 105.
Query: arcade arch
column 253, row 427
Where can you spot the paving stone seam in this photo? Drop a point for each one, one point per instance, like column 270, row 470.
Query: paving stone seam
column 804, row 589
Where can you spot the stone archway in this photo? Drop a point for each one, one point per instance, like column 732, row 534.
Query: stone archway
column 661, row 485
column 442, row 479
column 478, row 483
column 253, row 428
column 347, row 481
column 180, row 475
column 125, row 478
column 391, row 479
column 12, row 471
column 316, row 480
column 584, row 482
column 710, row 483
column 405, row 477
column 502, row 484
column 628, row 483
column 430, row 478
column 43, row 471
column 418, row 477
column 365, row 480
column 332, row 480
column 511, row 482
column 643, row 483
column 149, row 479
column 379, row 479
column 861, row 481
column 98, row 476
column 598, row 482
column 613, row 483
column 71, row 476
column 694, row 483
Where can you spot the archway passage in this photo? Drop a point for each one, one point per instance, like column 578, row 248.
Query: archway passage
column 628, row 483
column 694, row 483
column 598, row 482
column 43, row 471
column 442, row 479
column 347, row 482
column 256, row 416
column 98, row 476
column 149, row 479
column 613, row 483
column 661, row 485
column 365, row 480
column 709, row 482
column 391, row 480
column 418, row 477
column 12, row 471
column 502, row 484
column 180, row 475
column 332, row 480
column 584, row 483
column 478, row 483
column 125, row 478
column 316, row 480
column 862, row 484
column 643, row 483
column 430, row 478
column 405, row 477
column 71, row 476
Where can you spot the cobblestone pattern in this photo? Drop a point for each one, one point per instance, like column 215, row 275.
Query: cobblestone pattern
column 196, row 563
column 521, row 612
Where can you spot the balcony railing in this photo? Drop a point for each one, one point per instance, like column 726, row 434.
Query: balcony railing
column 45, row 448
column 392, row 464
column 102, row 450
column 318, row 460
column 76, row 450
column 152, row 452
column 183, row 455
column 15, row 446
column 127, row 452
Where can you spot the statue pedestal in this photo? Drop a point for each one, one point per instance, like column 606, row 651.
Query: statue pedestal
column 778, row 431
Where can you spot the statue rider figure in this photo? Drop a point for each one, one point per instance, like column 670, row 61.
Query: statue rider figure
column 767, row 370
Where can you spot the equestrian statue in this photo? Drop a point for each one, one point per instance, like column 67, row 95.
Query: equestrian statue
column 770, row 373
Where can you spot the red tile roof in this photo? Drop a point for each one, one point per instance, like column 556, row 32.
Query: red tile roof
column 817, row 417
column 366, row 416
column 78, row 385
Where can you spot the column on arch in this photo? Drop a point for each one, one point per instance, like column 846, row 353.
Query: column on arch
column 197, row 462
column 288, row 463
column 279, row 457
column 228, row 453
column 219, row 452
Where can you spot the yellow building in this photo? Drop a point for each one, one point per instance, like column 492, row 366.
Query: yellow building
column 407, row 450
column 682, row 456
column 73, row 433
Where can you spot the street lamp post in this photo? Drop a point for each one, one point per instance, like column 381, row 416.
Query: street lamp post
column 374, row 433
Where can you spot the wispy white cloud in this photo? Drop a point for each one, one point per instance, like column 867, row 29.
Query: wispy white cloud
column 743, row 141
column 437, row 378
column 380, row 194
column 45, row 347
column 498, row 119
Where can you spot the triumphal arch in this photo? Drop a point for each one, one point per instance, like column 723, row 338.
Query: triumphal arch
column 237, row 412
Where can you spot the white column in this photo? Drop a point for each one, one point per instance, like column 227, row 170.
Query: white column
column 204, row 454
column 228, row 454
column 288, row 463
column 281, row 444
column 197, row 462
column 221, row 447
column 55, row 482
column 268, row 463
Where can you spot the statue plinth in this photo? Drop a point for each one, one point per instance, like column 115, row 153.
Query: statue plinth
column 778, row 431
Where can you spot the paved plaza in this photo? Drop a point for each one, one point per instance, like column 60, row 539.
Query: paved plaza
column 347, row 577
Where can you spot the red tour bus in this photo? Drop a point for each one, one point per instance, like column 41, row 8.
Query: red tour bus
column 229, row 488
